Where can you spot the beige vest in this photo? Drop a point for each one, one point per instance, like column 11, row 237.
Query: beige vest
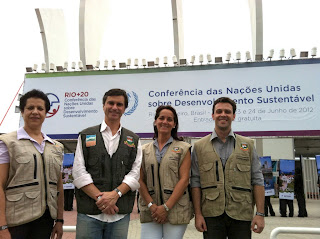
column 161, row 182
column 32, row 181
column 227, row 190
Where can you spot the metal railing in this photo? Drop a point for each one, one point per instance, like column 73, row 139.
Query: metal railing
column 69, row 228
column 294, row 230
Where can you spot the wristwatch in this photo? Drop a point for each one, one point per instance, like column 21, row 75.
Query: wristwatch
column 4, row 227
column 59, row 220
column 118, row 191
column 260, row 214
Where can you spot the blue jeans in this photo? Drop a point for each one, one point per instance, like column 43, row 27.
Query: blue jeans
column 90, row 228
column 153, row 230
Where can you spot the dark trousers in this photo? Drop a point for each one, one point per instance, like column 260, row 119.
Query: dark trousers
column 37, row 229
column 283, row 207
column 268, row 206
column 68, row 199
column 301, row 205
column 223, row 227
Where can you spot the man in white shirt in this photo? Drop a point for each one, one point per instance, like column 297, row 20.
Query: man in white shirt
column 106, row 173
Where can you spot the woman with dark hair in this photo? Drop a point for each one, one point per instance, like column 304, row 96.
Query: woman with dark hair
column 31, row 191
column 165, row 206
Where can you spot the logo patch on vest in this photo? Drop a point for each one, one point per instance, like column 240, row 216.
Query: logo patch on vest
column 244, row 147
column 176, row 150
column 91, row 140
column 129, row 142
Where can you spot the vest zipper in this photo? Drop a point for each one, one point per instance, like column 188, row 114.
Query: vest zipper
column 23, row 185
column 102, row 162
column 208, row 187
column 161, row 197
column 45, row 180
column 35, row 166
column 152, row 171
column 167, row 191
column 217, row 171
column 241, row 189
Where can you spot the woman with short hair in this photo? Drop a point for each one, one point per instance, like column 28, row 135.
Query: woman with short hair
column 31, row 190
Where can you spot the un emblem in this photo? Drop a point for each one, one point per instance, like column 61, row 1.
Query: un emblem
column 133, row 101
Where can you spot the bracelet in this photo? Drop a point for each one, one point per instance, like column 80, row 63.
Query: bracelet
column 150, row 204
column 260, row 214
column 4, row 227
column 59, row 220
column 118, row 191
column 166, row 207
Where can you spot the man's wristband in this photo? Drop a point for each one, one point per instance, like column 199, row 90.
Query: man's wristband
column 260, row 214
column 118, row 191
column 59, row 220
column 4, row 227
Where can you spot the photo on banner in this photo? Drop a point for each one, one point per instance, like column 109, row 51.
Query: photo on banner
column 266, row 167
column 67, row 177
column 318, row 167
column 286, row 179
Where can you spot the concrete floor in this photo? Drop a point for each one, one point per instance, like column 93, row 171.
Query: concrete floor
column 313, row 220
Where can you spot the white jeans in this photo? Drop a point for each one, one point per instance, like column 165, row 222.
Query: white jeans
column 153, row 230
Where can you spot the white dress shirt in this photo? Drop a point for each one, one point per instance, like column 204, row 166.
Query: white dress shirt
column 83, row 178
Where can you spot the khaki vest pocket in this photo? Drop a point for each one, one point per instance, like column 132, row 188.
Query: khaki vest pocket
column 25, row 168
column 213, row 195
column 171, row 176
column 15, row 197
column 23, row 158
column 21, row 207
column 206, row 174
column 243, row 157
column 150, row 180
column 242, row 175
column 53, row 206
column 211, row 202
column 243, row 167
column 237, row 197
column 33, row 195
column 181, row 211
column 174, row 168
column 240, row 206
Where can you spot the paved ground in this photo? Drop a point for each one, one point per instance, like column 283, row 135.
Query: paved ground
column 313, row 220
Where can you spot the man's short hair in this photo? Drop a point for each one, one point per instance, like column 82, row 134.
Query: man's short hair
column 225, row 100
column 116, row 92
column 34, row 94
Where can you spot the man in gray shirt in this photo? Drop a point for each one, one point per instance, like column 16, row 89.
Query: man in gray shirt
column 226, row 180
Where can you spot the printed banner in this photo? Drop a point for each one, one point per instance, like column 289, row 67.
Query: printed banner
column 266, row 164
column 272, row 100
column 286, row 179
column 67, row 177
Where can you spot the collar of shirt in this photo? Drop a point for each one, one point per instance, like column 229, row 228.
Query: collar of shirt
column 214, row 135
column 160, row 154
column 105, row 128
column 155, row 142
column 22, row 134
